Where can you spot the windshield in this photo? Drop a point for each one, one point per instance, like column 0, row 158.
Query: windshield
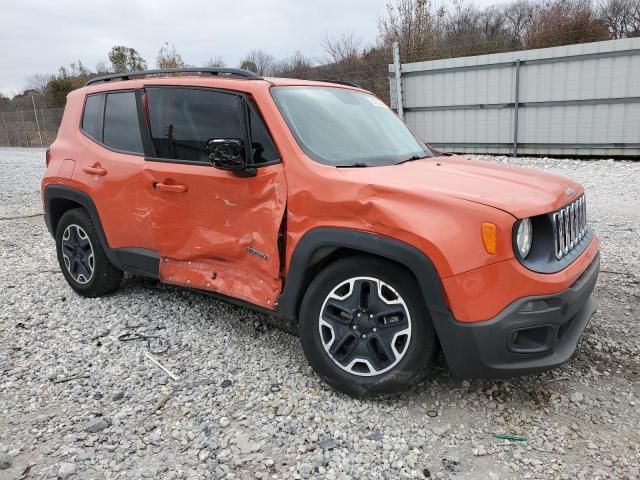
column 341, row 127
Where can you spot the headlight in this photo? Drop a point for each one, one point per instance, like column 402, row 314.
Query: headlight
column 524, row 237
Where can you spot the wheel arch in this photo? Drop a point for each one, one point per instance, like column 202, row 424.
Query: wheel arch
column 59, row 199
column 321, row 246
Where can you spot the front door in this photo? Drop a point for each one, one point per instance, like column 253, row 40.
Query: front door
column 214, row 230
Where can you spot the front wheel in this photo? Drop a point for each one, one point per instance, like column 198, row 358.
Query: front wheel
column 365, row 328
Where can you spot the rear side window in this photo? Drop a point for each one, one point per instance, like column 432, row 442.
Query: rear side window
column 92, row 116
column 183, row 120
column 261, row 143
column 121, row 127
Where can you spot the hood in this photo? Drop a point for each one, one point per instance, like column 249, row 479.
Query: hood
column 522, row 192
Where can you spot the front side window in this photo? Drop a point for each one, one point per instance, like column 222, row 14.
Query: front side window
column 183, row 120
column 121, row 127
column 343, row 127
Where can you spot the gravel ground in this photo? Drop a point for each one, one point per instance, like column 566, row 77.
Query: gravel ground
column 75, row 402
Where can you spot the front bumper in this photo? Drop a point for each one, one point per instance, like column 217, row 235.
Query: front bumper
column 530, row 335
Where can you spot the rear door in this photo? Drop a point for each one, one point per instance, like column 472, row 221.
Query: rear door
column 213, row 230
column 112, row 164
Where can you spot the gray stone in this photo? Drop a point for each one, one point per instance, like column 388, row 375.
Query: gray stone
column 451, row 464
column 97, row 424
column 577, row 397
column 327, row 443
column 441, row 431
column 66, row 470
column 5, row 461
column 305, row 469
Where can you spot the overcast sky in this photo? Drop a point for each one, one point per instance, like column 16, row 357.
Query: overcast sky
column 39, row 36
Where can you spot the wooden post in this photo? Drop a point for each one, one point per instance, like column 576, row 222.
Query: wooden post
column 35, row 114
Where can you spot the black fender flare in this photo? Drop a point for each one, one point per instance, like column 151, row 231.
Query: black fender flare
column 416, row 261
column 138, row 261
column 55, row 192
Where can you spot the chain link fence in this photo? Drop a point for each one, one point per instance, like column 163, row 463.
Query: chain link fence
column 30, row 128
column 38, row 127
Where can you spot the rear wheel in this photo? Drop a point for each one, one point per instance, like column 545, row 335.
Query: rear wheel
column 82, row 260
column 365, row 328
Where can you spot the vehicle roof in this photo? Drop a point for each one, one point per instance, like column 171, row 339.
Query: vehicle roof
column 224, row 82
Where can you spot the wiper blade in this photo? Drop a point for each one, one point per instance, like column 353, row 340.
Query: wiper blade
column 411, row 159
column 353, row 165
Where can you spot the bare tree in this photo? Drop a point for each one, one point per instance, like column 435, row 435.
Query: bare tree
column 565, row 22
column 101, row 68
column 38, row 82
column 169, row 58
column 414, row 26
column 343, row 54
column 295, row 66
column 215, row 62
column 622, row 17
column 258, row 61
column 634, row 28
column 519, row 19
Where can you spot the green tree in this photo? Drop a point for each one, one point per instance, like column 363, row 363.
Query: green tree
column 67, row 79
column 125, row 59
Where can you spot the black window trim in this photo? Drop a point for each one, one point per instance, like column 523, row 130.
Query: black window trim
column 150, row 153
column 100, row 141
column 253, row 107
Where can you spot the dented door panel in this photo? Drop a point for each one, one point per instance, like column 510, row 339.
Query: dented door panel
column 218, row 233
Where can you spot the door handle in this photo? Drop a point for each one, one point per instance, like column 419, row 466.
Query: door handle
column 164, row 187
column 94, row 169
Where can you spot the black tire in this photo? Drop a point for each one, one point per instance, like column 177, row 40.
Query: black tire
column 318, row 336
column 104, row 277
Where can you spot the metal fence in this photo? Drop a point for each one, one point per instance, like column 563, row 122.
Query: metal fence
column 36, row 127
column 572, row 100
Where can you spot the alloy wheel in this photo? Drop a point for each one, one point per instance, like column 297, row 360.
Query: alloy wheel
column 365, row 326
column 77, row 253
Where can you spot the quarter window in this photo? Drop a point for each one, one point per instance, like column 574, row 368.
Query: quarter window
column 183, row 120
column 92, row 116
column 261, row 143
column 121, row 127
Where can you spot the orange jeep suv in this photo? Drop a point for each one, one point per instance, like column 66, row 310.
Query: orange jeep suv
column 313, row 202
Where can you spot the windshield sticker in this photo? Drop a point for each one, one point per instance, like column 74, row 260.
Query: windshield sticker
column 376, row 102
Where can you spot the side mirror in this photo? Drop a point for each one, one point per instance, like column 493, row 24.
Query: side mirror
column 227, row 153
column 230, row 154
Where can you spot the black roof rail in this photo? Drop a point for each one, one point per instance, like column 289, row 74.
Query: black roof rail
column 163, row 71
